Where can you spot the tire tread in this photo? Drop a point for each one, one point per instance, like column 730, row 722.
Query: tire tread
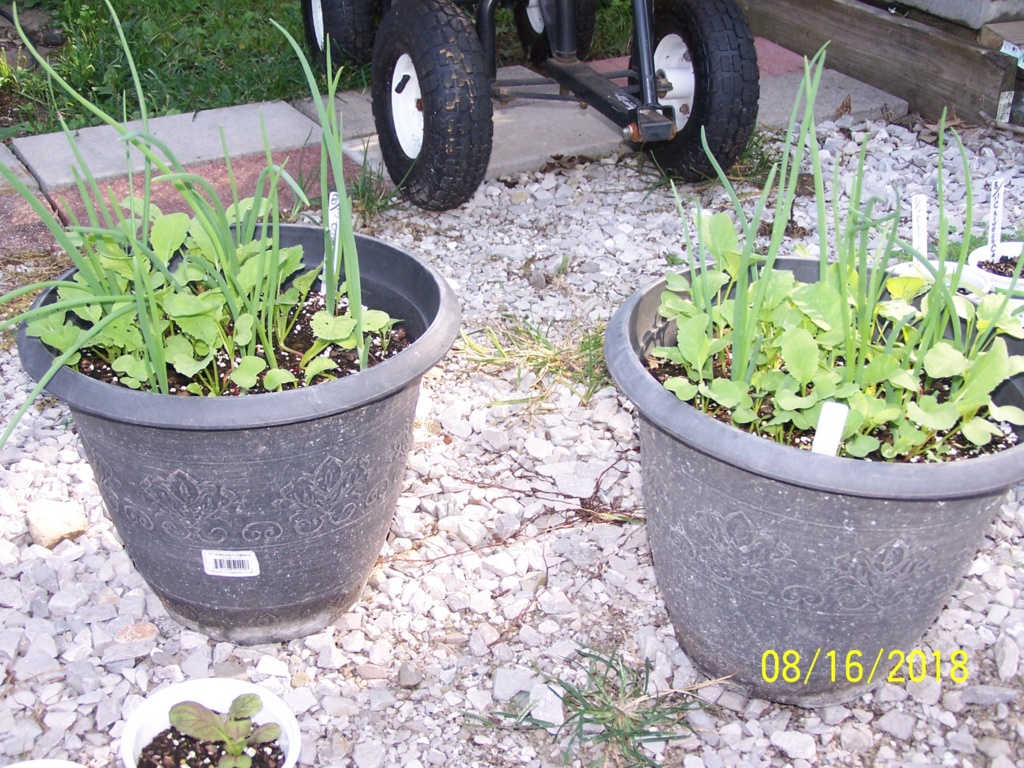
column 458, row 130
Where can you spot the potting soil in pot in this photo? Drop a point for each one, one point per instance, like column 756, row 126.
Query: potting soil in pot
column 173, row 748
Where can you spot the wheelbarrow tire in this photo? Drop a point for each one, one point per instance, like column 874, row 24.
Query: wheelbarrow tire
column 715, row 37
column 431, row 102
column 348, row 24
column 530, row 28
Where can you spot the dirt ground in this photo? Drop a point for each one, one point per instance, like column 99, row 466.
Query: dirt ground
column 38, row 23
column 39, row 26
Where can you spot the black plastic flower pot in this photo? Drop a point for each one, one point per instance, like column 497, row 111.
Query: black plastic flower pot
column 258, row 518
column 807, row 579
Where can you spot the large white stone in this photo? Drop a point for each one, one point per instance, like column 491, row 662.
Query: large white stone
column 508, row 682
column 799, row 746
column 369, row 754
column 899, row 725
column 546, row 706
column 50, row 522
column 1007, row 654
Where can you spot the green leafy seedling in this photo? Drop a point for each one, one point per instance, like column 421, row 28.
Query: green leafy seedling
column 235, row 729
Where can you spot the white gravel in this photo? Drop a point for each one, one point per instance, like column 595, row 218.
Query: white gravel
column 491, row 578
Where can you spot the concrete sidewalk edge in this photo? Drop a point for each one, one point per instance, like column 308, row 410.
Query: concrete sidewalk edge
column 526, row 133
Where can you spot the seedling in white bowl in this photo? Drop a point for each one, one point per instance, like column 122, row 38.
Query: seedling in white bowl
column 243, row 721
column 235, row 729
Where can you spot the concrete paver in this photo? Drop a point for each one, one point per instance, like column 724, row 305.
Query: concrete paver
column 526, row 133
column 194, row 138
column 354, row 109
column 525, row 137
column 7, row 158
column 865, row 102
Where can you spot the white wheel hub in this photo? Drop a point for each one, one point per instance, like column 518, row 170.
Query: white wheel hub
column 407, row 107
column 672, row 60
column 316, row 15
column 535, row 16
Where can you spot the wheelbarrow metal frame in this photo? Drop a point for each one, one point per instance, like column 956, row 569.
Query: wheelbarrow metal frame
column 641, row 119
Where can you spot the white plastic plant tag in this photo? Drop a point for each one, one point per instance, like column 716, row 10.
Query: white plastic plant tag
column 333, row 220
column 919, row 223
column 1004, row 106
column 1012, row 49
column 995, row 219
column 829, row 432
column 239, row 563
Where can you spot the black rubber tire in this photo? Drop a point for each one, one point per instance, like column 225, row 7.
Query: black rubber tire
column 455, row 102
column 726, row 87
column 348, row 24
column 535, row 43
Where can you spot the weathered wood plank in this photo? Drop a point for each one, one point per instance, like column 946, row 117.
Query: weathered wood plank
column 993, row 35
column 927, row 67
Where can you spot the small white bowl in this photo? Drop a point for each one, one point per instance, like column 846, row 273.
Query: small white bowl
column 151, row 717
column 971, row 277
column 1004, row 250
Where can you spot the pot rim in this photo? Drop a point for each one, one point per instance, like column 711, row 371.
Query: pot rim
column 425, row 288
column 1005, row 249
column 984, row 475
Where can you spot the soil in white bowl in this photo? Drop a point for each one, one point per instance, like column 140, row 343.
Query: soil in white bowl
column 173, row 748
column 1002, row 264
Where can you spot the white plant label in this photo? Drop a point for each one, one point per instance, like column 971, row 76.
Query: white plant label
column 1012, row 49
column 1004, row 106
column 919, row 223
column 333, row 222
column 240, row 563
column 995, row 218
column 829, row 432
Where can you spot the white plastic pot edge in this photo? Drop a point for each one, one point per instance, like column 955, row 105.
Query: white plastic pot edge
column 217, row 693
column 1003, row 250
column 971, row 277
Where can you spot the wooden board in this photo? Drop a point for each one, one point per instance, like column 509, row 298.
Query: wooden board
column 927, row 67
column 994, row 35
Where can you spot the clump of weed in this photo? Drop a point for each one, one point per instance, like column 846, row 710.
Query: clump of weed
column 576, row 360
column 612, row 709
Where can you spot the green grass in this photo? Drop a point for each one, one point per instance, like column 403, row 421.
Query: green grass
column 613, row 29
column 977, row 240
column 372, row 194
column 576, row 360
column 191, row 55
column 196, row 55
column 751, row 167
column 612, row 711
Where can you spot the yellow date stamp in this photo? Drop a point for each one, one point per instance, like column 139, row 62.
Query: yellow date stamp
column 789, row 666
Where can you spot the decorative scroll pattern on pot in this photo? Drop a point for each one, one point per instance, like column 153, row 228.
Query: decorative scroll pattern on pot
column 182, row 508
column 189, row 509
column 886, row 576
column 326, row 498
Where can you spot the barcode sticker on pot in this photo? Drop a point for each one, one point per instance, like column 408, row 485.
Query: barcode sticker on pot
column 235, row 563
column 829, row 432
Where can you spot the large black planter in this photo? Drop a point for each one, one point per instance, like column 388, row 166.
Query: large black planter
column 761, row 548
column 301, row 484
